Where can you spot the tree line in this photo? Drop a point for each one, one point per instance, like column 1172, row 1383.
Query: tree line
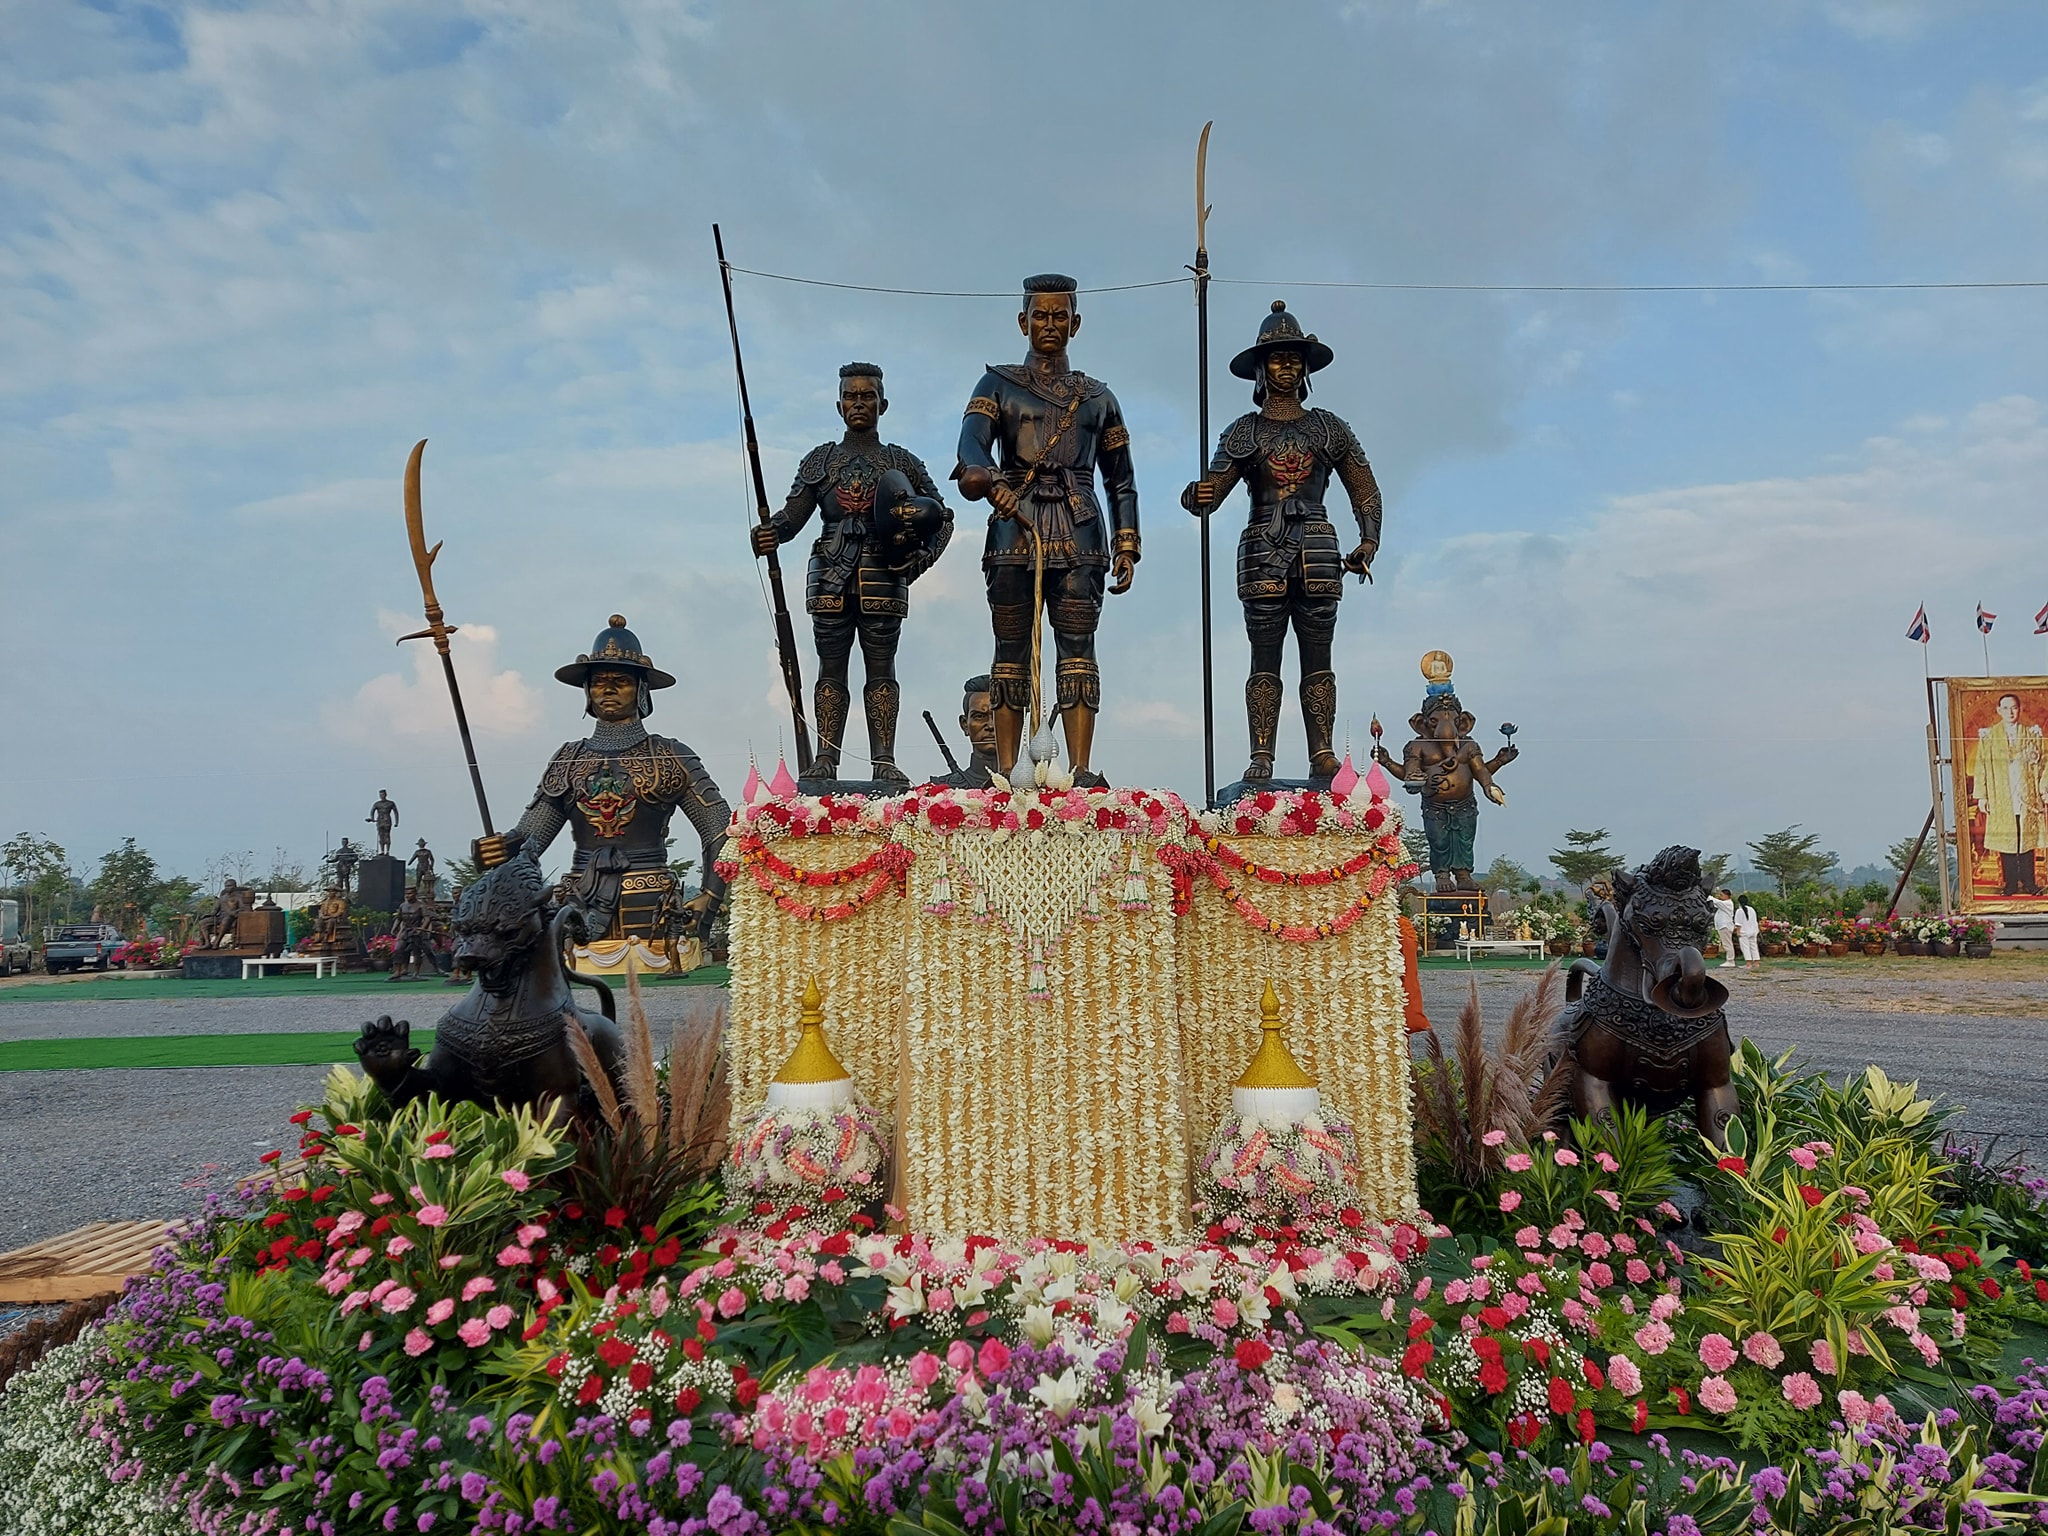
column 128, row 889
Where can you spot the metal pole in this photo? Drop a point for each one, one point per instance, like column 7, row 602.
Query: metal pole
column 1201, row 271
column 1940, row 808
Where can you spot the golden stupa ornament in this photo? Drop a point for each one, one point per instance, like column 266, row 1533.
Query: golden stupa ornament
column 1274, row 1088
column 812, row 1077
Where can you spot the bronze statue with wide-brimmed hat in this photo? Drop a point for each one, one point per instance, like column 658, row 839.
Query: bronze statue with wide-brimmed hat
column 1290, row 567
column 616, row 791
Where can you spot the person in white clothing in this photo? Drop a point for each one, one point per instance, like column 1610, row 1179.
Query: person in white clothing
column 1746, row 924
column 1724, row 925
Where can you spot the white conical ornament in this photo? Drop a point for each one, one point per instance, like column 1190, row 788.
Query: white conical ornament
column 1274, row 1089
column 941, row 903
column 1044, row 752
column 812, row 1077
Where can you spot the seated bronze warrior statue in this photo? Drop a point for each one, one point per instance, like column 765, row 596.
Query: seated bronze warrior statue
column 1289, row 566
column 616, row 791
column 882, row 525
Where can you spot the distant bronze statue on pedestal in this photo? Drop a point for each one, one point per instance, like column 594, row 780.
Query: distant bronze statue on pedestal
column 411, row 928
column 217, row 928
column 1290, row 568
column 616, row 791
column 332, row 933
column 1442, row 764
column 1650, row 1030
column 882, row 525
column 384, row 816
column 1033, row 437
column 422, row 865
column 346, row 858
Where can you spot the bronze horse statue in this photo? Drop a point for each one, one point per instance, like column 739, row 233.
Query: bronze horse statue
column 1650, row 1030
column 506, row 1040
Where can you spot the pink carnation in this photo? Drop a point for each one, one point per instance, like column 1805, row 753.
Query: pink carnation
column 398, row 1247
column 1638, row 1272
column 1565, row 1157
column 1518, row 1162
column 1855, row 1410
column 478, row 1285
column 417, row 1342
column 1764, row 1350
column 1494, row 1138
column 1803, row 1158
column 1528, row 1237
column 432, row 1215
column 1717, row 1352
column 733, row 1302
column 1600, row 1275
column 1224, row 1311
column 399, row 1299
column 1510, row 1199
column 1716, row 1396
column 499, row 1315
column 1623, row 1375
column 1654, row 1337
column 441, row 1310
column 1801, row 1391
column 475, row 1333
column 516, row 1178
column 512, row 1254
column 1823, row 1356
column 439, row 1149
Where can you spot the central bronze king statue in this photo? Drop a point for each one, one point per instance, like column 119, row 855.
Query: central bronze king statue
column 616, row 791
column 1289, row 566
column 882, row 525
column 1033, row 438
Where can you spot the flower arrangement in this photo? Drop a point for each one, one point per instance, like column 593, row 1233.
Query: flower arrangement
column 827, row 1159
column 1281, row 1174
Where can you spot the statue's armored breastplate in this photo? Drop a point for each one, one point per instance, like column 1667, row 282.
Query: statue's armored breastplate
column 1281, row 460
column 618, row 799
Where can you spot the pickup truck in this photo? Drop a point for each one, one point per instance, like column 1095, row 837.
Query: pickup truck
column 16, row 953
column 79, row 945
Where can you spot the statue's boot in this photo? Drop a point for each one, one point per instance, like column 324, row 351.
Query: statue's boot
column 832, row 698
column 1262, row 691
column 1009, row 726
column 1319, row 717
column 882, row 697
column 1078, row 722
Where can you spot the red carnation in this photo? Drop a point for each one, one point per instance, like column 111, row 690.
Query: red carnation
column 1422, row 1324
column 272, row 1155
column 744, row 1392
column 1417, row 1357
column 1523, row 1430
column 1734, row 1165
column 1595, row 1377
column 687, row 1400
column 1585, row 1425
column 1811, row 1195
column 615, row 1217
column 1493, row 1376
column 1537, row 1350
column 641, row 1377
column 1493, row 1317
column 1990, row 1288
column 1642, row 1417
column 593, row 1389
column 1684, row 1399
column 1561, row 1399
column 302, row 1117
column 615, row 1352
column 1253, row 1353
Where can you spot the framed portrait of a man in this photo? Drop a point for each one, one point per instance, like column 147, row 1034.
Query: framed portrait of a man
column 2000, row 774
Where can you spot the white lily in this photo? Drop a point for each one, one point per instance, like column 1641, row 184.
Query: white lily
column 1252, row 1308
column 1152, row 1418
column 1060, row 1394
column 1111, row 1317
column 1038, row 1325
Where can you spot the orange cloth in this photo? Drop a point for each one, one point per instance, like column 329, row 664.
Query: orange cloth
column 1411, row 979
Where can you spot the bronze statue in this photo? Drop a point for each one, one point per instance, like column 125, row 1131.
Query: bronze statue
column 1442, row 764
column 1650, row 1030
column 862, row 564
column 1289, row 566
column 217, row 928
column 345, row 859
column 332, row 933
column 411, row 928
column 616, row 792
column 505, row 1041
column 422, row 863
column 384, row 815
column 1033, row 437
column 978, row 725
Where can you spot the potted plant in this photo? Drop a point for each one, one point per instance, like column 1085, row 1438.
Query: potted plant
column 380, row 950
column 1835, row 934
column 1871, row 937
column 1773, row 936
column 1942, row 937
column 1976, row 938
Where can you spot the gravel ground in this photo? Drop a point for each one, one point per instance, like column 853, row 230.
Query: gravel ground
column 79, row 1146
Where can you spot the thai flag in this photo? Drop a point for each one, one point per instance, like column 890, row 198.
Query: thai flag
column 2041, row 621
column 1984, row 620
column 1920, row 631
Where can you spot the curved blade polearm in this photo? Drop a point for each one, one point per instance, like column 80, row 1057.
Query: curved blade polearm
column 1201, row 271
column 438, row 630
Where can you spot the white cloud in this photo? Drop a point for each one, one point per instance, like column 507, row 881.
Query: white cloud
column 497, row 702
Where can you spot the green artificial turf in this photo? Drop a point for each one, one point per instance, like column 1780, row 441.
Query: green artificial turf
column 102, row 989
column 84, row 1053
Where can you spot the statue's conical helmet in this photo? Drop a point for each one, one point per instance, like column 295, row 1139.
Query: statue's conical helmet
column 1277, row 331
column 616, row 649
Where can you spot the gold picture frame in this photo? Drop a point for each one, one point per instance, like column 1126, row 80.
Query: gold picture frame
column 1998, row 773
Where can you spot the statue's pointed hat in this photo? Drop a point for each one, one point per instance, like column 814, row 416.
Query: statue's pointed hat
column 616, row 649
column 1281, row 330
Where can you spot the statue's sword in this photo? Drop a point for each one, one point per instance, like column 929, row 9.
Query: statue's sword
column 437, row 629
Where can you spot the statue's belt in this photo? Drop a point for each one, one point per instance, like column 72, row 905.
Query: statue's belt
column 1061, row 486
column 1657, row 1034
column 1291, row 509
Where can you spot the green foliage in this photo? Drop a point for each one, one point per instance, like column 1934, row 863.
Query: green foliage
column 1714, row 870
column 1507, row 877
column 1789, row 858
column 127, row 887
column 42, row 876
column 1585, row 856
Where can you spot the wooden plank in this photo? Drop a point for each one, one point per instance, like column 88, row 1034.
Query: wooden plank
column 92, row 1261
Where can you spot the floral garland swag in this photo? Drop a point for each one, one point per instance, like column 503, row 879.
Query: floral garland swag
column 1048, row 993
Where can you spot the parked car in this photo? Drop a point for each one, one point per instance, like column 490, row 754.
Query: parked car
column 16, row 952
column 79, row 945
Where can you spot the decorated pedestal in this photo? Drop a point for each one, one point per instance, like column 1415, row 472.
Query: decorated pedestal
column 1050, row 993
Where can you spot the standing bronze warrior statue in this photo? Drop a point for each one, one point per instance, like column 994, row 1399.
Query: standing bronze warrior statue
column 883, row 525
column 383, row 816
column 1032, row 440
column 616, row 792
column 1289, row 566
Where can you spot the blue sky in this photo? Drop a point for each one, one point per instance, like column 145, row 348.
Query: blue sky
column 249, row 254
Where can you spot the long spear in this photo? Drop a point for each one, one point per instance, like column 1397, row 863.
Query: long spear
column 1201, row 271
column 438, row 630
column 785, row 634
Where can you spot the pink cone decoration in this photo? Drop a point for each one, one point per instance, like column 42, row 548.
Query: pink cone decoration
column 1346, row 779
column 1377, row 783
column 782, row 786
column 752, row 789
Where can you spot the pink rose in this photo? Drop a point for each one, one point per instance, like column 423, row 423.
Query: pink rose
column 924, row 1369
column 516, row 1178
column 960, row 1355
column 499, row 1315
column 432, row 1215
column 441, row 1310
column 475, row 1333
column 1510, row 1199
column 1801, row 1391
column 417, row 1342
column 995, row 1357
column 1717, row 1352
column 1764, row 1350
column 1716, row 1396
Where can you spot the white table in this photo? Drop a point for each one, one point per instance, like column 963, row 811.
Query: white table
column 1467, row 948
column 323, row 965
